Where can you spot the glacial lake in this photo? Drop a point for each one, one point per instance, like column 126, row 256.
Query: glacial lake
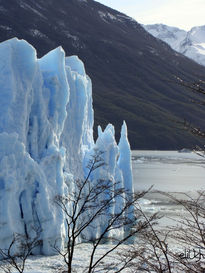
column 168, row 171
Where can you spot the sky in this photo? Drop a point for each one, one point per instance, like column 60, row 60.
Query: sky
column 183, row 14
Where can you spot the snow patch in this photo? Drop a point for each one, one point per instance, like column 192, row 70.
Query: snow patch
column 37, row 33
column 5, row 27
column 108, row 15
column 28, row 7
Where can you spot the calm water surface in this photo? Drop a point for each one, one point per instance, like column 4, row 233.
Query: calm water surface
column 168, row 171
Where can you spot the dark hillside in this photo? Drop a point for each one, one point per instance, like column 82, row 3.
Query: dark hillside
column 129, row 68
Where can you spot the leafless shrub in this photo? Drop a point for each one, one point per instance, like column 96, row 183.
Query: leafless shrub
column 176, row 249
column 190, row 233
column 91, row 207
column 17, row 253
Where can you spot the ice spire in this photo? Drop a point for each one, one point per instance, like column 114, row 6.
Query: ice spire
column 124, row 161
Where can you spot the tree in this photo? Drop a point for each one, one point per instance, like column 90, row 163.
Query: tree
column 16, row 259
column 176, row 249
column 190, row 233
column 92, row 217
column 150, row 253
column 199, row 89
column 154, row 251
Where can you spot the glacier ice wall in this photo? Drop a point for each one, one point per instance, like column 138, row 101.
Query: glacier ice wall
column 46, row 139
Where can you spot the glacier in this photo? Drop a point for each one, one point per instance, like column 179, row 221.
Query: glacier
column 46, row 140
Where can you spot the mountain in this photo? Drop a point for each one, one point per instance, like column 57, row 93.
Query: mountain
column 190, row 43
column 130, row 69
column 171, row 35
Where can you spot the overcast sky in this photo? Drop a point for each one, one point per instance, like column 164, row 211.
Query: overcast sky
column 180, row 13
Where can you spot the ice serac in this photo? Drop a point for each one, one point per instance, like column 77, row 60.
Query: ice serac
column 78, row 127
column 118, row 170
column 124, row 163
column 46, row 139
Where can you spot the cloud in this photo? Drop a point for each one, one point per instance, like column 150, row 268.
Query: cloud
column 181, row 13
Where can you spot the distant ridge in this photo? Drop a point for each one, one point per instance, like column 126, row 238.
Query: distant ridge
column 190, row 43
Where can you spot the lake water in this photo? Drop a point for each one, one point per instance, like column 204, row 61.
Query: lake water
column 169, row 171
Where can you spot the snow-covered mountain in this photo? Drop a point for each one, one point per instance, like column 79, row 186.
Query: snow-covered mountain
column 190, row 43
column 46, row 142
